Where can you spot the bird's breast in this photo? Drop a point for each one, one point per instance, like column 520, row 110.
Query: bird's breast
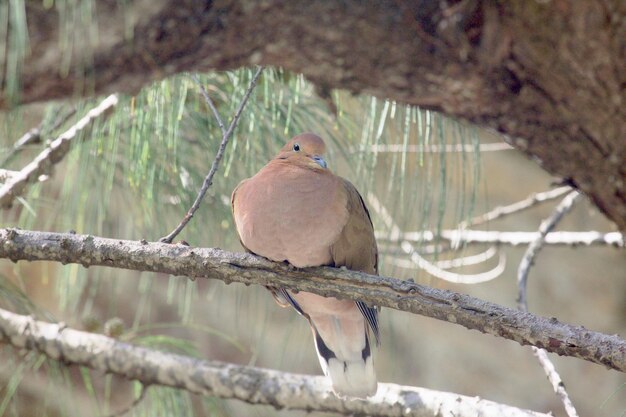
column 292, row 214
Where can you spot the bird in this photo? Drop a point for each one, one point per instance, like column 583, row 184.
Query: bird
column 296, row 210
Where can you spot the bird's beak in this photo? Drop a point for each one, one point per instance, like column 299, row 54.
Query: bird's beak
column 319, row 161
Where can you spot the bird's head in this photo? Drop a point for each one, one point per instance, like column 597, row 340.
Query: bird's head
column 306, row 149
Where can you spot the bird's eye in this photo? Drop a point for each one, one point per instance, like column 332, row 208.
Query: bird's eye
column 296, row 147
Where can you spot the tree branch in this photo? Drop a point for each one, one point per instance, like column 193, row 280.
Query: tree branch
column 443, row 264
column 57, row 150
column 218, row 156
column 459, row 237
column 470, row 312
column 530, row 201
column 250, row 384
column 522, row 302
column 419, row 261
column 209, row 102
column 34, row 136
column 535, row 246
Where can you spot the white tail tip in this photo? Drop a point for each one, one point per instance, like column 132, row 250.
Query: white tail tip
column 353, row 378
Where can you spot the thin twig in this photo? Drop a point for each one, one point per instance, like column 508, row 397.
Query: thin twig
column 522, row 302
column 53, row 154
column 468, row 260
column 226, row 380
column 218, row 157
column 530, row 201
column 208, row 100
column 34, row 136
column 458, row 238
column 555, row 380
column 421, row 262
column 533, row 249
column 449, row 263
column 31, row 137
column 212, row 263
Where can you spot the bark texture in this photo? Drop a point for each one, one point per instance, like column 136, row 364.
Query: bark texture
column 245, row 383
column 470, row 312
column 548, row 75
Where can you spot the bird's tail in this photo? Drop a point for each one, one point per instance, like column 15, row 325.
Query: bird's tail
column 348, row 362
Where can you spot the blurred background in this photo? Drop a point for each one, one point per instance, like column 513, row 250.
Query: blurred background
column 135, row 173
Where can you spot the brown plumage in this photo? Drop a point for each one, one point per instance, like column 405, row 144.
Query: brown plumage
column 296, row 210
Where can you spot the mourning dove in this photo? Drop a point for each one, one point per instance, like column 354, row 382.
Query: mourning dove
column 296, row 210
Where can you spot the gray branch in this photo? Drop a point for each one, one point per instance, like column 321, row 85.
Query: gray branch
column 33, row 136
column 535, row 246
column 530, row 201
column 250, row 384
column 470, row 312
column 419, row 261
column 459, row 237
column 208, row 180
column 43, row 163
column 522, row 302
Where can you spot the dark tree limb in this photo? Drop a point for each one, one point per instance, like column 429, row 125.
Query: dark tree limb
column 556, row 91
column 470, row 312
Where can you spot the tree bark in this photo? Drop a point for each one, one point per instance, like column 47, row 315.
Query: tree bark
column 246, row 383
column 550, row 76
column 470, row 312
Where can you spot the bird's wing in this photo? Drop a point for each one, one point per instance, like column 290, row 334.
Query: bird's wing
column 356, row 248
